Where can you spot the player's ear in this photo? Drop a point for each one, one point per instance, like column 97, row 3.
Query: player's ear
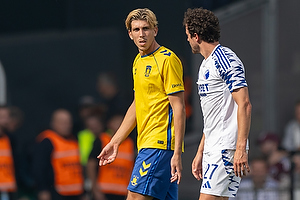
column 155, row 31
column 197, row 37
column 130, row 34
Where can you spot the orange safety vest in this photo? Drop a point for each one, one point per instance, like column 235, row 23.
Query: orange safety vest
column 114, row 178
column 65, row 161
column 7, row 170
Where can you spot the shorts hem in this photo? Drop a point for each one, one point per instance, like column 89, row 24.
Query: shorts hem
column 151, row 195
column 215, row 194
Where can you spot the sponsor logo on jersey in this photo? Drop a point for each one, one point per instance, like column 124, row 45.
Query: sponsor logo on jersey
column 203, row 88
column 176, row 85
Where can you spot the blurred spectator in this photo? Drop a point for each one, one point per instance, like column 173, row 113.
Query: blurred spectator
column 94, row 127
column 278, row 159
column 16, row 118
column 258, row 185
column 296, row 175
column 86, row 106
column 22, row 154
column 57, row 163
column 291, row 139
column 110, row 182
column 8, row 185
column 110, row 96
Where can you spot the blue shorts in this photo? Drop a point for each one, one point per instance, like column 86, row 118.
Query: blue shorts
column 152, row 173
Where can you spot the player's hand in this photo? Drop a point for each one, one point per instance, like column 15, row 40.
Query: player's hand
column 240, row 163
column 108, row 154
column 176, row 168
column 197, row 166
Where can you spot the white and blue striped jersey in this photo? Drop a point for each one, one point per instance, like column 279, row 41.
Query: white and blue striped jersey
column 219, row 75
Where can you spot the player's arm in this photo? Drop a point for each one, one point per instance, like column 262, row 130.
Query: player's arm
column 110, row 151
column 241, row 97
column 197, row 162
column 177, row 104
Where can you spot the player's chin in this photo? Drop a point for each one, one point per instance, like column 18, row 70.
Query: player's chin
column 143, row 48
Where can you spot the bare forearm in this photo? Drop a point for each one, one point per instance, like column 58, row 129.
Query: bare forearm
column 127, row 125
column 179, row 127
column 241, row 97
column 244, row 121
column 177, row 104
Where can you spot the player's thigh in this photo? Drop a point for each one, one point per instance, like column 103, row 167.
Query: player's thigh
column 211, row 197
column 137, row 196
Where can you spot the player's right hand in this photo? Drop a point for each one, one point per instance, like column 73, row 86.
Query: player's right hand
column 108, row 154
column 197, row 166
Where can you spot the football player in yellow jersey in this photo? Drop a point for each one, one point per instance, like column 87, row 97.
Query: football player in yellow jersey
column 157, row 110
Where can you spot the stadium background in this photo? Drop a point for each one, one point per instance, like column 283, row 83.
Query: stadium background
column 53, row 50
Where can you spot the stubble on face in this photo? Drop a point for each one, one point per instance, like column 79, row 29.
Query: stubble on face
column 192, row 41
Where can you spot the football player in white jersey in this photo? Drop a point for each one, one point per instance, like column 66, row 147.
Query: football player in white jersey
column 222, row 157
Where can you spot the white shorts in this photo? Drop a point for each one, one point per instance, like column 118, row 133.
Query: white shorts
column 218, row 174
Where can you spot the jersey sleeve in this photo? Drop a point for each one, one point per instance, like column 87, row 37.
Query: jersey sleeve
column 231, row 70
column 173, row 75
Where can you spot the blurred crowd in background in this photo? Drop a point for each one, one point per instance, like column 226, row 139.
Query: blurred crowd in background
column 61, row 161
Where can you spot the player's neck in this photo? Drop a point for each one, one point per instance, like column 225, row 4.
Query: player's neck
column 207, row 48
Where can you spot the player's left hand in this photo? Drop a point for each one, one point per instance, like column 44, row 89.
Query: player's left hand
column 240, row 163
column 176, row 168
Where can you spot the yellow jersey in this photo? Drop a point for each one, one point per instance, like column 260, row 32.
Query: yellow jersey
column 156, row 76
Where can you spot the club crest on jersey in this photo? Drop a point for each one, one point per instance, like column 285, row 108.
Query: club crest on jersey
column 148, row 70
column 206, row 74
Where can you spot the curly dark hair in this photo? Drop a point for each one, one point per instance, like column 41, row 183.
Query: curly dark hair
column 203, row 22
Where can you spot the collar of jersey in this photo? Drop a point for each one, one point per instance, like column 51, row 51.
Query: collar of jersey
column 213, row 51
column 150, row 53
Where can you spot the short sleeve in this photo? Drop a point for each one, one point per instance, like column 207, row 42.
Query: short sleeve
column 173, row 75
column 231, row 69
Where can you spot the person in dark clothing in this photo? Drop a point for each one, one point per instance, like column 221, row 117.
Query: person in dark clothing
column 111, row 99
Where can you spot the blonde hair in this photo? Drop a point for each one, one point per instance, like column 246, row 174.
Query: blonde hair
column 141, row 14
